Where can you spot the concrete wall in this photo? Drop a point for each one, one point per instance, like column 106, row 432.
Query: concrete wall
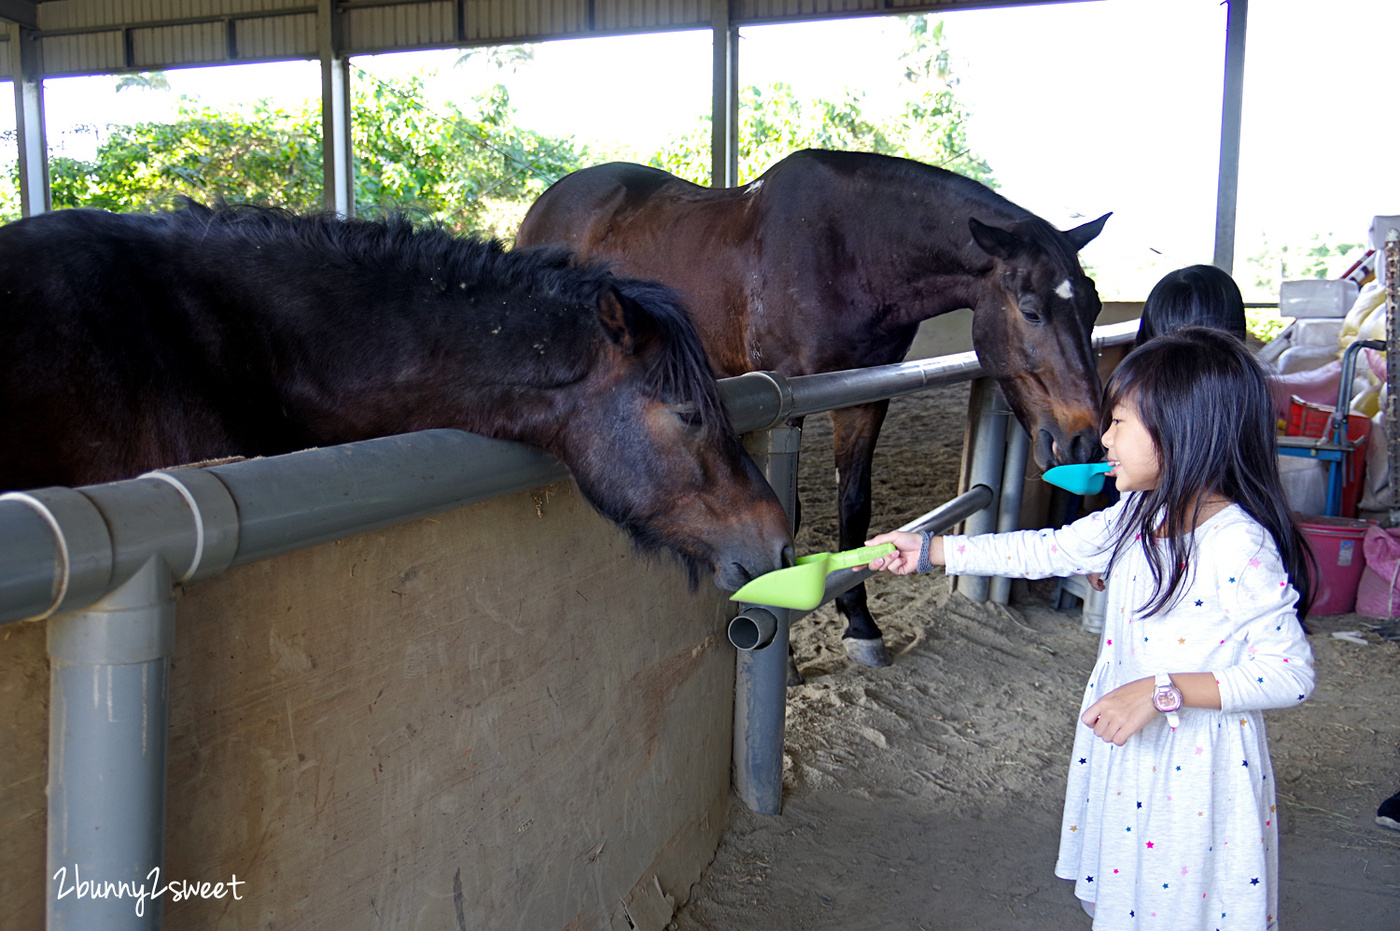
column 499, row 717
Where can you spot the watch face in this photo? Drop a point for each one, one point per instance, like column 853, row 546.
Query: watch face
column 1166, row 699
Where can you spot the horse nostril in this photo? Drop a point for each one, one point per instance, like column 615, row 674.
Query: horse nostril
column 788, row 557
column 1085, row 447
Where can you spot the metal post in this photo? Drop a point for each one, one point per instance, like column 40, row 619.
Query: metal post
column 34, row 194
column 1231, row 110
column 1391, row 264
column 760, row 676
column 1013, row 483
column 337, row 162
column 724, row 104
column 989, row 413
column 107, row 744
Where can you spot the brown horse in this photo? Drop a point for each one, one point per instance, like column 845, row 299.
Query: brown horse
column 829, row 261
column 132, row 342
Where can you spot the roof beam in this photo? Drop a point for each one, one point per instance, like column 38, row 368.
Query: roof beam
column 23, row 12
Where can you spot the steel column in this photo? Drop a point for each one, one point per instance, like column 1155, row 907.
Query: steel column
column 1013, row 484
column 724, row 103
column 989, row 413
column 34, row 195
column 1231, row 111
column 337, row 158
column 760, row 676
column 1390, row 263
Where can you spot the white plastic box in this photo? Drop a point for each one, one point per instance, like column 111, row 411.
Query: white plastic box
column 1316, row 297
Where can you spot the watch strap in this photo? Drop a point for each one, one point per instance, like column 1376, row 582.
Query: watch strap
column 1164, row 681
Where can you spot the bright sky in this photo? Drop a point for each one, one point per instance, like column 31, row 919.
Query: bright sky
column 1080, row 108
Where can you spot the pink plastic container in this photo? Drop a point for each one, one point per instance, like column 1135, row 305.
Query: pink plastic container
column 1336, row 545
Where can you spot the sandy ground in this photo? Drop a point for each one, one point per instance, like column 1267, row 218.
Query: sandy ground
column 927, row 795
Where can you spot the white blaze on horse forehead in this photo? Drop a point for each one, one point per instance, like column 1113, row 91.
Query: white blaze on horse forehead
column 1065, row 290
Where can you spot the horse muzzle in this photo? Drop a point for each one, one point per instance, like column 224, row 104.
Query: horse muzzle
column 1053, row 447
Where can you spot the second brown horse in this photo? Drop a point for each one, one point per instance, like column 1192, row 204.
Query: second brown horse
column 830, row 261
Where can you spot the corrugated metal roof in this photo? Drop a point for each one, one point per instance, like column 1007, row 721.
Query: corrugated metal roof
column 100, row 36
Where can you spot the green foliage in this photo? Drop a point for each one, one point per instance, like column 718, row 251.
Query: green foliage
column 774, row 122
column 262, row 156
column 1319, row 257
column 474, row 172
column 456, row 168
column 1263, row 323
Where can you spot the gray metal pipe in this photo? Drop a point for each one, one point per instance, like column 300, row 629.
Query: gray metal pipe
column 936, row 521
column 753, row 628
column 765, row 399
column 109, row 672
column 1013, row 485
column 760, row 675
column 989, row 413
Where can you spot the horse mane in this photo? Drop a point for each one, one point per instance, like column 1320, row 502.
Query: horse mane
column 397, row 240
column 976, row 195
column 678, row 368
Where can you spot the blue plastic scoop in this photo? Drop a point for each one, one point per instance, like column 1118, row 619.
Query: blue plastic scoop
column 1080, row 479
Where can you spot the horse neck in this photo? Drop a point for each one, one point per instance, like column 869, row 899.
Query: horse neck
column 919, row 283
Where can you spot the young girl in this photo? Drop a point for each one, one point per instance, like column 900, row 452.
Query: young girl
column 1169, row 818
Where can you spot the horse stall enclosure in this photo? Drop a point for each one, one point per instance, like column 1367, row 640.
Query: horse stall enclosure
column 498, row 716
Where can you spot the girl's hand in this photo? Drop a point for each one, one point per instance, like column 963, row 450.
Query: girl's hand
column 905, row 558
column 1122, row 712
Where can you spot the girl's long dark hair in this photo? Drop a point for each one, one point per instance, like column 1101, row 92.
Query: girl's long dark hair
column 1197, row 295
column 1205, row 402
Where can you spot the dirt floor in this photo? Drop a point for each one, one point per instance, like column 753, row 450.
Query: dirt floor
column 927, row 795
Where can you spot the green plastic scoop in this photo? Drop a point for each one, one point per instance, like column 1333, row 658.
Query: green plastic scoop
column 1081, row 479
column 802, row 586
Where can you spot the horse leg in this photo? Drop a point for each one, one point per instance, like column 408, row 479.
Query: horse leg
column 855, row 430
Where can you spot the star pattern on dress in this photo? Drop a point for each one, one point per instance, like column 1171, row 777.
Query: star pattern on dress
column 1244, row 651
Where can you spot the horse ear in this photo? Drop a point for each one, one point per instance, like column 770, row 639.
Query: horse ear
column 1081, row 236
column 622, row 319
column 994, row 241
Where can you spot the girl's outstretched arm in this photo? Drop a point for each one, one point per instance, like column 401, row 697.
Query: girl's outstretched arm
column 909, row 547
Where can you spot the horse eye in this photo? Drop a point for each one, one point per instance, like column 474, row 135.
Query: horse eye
column 689, row 416
column 1031, row 316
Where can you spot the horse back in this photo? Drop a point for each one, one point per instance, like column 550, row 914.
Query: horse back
column 647, row 223
column 787, row 271
column 101, row 362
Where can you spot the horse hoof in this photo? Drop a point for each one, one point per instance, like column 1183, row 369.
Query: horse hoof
column 794, row 677
column 867, row 652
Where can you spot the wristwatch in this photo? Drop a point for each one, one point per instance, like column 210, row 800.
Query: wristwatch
column 1166, row 698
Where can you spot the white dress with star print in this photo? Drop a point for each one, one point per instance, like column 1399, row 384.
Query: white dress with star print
column 1175, row 830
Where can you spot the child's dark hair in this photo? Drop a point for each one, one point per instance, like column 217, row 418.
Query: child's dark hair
column 1205, row 401
column 1197, row 295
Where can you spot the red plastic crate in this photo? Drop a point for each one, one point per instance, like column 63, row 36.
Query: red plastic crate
column 1308, row 419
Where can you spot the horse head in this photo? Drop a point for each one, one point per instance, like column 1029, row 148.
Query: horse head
column 651, row 446
column 1033, row 330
